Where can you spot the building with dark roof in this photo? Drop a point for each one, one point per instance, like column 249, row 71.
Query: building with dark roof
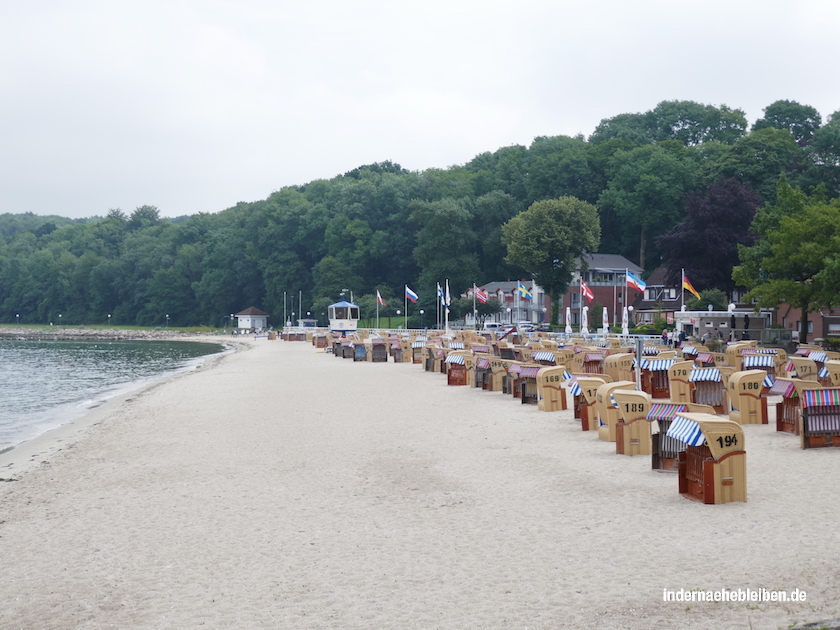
column 252, row 318
column 606, row 277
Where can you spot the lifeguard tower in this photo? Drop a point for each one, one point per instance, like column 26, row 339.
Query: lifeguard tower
column 344, row 317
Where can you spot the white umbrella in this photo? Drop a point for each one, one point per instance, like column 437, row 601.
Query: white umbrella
column 568, row 321
column 606, row 320
column 584, row 321
column 625, row 322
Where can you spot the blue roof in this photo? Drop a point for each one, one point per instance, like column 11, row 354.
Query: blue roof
column 343, row 303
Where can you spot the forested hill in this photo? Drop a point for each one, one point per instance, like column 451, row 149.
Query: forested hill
column 380, row 227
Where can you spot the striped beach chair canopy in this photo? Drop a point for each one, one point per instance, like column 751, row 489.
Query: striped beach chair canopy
column 529, row 371
column 456, row 345
column 574, row 386
column 705, row 357
column 705, row 374
column 482, row 364
column 786, row 389
column 820, row 397
column 456, row 359
column 657, row 365
column 665, row 411
column 818, row 357
column 759, row 360
column 542, row 356
column 689, row 351
column 687, row 431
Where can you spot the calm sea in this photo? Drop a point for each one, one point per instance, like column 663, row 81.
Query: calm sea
column 46, row 383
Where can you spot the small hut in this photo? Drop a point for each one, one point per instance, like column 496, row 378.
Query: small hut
column 252, row 318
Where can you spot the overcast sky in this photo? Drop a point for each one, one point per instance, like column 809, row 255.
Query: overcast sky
column 195, row 105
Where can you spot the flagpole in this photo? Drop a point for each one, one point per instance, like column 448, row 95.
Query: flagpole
column 615, row 299
column 624, row 302
column 438, row 306
column 377, row 310
column 516, row 301
column 446, row 305
column 682, row 288
column 580, row 321
column 405, row 305
column 475, row 319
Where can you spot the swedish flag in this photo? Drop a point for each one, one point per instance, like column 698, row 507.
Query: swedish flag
column 524, row 293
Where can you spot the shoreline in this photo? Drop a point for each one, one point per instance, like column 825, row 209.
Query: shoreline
column 69, row 333
column 17, row 459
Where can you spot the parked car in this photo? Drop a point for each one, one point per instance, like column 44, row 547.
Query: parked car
column 493, row 327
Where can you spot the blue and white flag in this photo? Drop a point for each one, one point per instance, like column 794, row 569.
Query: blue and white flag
column 635, row 283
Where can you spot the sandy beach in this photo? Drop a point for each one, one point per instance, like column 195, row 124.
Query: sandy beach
column 280, row 487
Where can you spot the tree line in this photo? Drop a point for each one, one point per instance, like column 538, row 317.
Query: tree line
column 679, row 185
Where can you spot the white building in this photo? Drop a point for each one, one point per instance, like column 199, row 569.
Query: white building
column 252, row 318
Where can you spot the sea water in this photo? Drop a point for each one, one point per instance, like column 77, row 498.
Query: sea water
column 44, row 384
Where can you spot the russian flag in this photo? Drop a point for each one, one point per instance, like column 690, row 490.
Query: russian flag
column 409, row 294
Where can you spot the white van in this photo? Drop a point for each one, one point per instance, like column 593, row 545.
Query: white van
column 492, row 327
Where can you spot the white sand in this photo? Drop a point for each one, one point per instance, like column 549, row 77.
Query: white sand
column 284, row 488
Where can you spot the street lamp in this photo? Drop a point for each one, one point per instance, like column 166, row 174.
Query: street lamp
column 510, row 319
column 421, row 317
column 231, row 320
column 167, row 320
column 59, row 320
column 399, row 312
column 109, row 320
column 18, row 319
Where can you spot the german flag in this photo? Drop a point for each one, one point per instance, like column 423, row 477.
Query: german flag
column 690, row 287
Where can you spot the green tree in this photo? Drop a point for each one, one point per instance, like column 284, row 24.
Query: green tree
column 824, row 152
column 548, row 238
column 446, row 244
column 143, row 217
column 491, row 212
column 801, row 120
column 715, row 297
column 635, row 128
column 795, row 259
column 758, row 158
column 645, row 195
column 692, row 123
